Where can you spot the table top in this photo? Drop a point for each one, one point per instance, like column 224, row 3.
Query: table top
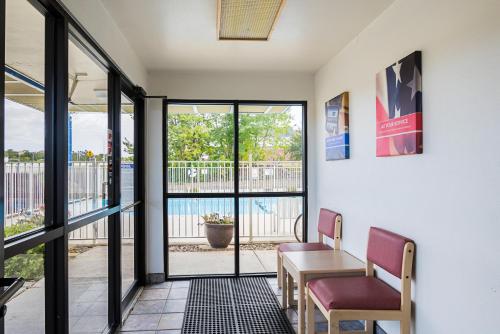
column 325, row 261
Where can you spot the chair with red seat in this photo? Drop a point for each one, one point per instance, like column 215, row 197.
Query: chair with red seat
column 367, row 298
column 329, row 225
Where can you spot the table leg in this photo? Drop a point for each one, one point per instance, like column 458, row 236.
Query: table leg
column 284, row 288
column 290, row 294
column 301, row 307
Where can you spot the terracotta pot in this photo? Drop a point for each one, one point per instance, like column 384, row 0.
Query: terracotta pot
column 219, row 235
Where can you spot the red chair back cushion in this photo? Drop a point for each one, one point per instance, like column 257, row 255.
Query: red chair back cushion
column 385, row 249
column 326, row 223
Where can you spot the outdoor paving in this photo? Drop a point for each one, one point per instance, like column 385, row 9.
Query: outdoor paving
column 221, row 262
column 88, row 294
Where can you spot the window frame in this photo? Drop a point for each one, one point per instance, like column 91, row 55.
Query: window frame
column 59, row 26
column 236, row 194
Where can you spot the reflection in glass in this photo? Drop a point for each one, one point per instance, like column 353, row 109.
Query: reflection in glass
column 266, row 222
column 127, row 151
column 190, row 250
column 87, row 132
column 127, row 251
column 270, row 148
column 200, row 148
column 88, row 278
column 26, row 310
column 24, row 118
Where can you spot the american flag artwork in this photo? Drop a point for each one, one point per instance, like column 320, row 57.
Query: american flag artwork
column 337, row 127
column 399, row 107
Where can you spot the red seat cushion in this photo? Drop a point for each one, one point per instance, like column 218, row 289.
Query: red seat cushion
column 355, row 293
column 302, row 247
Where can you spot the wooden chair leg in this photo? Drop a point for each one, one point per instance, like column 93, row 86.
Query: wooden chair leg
column 404, row 325
column 310, row 321
column 369, row 326
column 333, row 325
column 290, row 294
column 284, row 291
column 279, row 269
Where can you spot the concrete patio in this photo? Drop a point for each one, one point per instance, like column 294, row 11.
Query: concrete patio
column 221, row 262
column 88, row 295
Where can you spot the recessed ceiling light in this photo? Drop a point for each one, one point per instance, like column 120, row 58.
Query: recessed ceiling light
column 247, row 20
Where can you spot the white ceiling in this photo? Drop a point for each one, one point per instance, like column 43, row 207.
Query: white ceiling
column 181, row 34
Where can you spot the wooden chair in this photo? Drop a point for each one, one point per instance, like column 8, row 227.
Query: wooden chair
column 367, row 297
column 329, row 225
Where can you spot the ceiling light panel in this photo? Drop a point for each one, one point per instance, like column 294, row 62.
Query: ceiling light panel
column 247, row 20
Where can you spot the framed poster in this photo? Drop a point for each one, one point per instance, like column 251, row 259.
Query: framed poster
column 337, row 127
column 399, row 107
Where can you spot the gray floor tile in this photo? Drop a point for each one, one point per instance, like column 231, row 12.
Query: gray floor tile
column 90, row 324
column 148, row 306
column 180, row 293
column 169, row 331
column 154, row 294
column 141, row 322
column 175, row 305
column 180, row 284
column 98, row 308
column 163, row 285
column 171, row 321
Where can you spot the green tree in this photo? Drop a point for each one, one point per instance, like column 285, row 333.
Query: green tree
column 194, row 137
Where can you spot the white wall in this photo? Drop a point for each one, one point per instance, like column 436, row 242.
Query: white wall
column 446, row 199
column 205, row 85
column 98, row 22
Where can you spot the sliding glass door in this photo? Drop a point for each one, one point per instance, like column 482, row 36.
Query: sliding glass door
column 225, row 212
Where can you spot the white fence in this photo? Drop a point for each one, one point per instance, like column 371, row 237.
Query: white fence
column 87, row 190
column 218, row 176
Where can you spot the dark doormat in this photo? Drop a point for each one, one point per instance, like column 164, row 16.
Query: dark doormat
column 244, row 305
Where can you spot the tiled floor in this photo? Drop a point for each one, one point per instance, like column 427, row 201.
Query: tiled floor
column 160, row 310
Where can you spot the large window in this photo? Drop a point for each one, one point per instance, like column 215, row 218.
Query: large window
column 200, row 148
column 270, row 148
column 87, row 133
column 30, row 266
column 127, row 187
column 60, row 176
column 88, row 278
column 24, row 118
column 258, row 192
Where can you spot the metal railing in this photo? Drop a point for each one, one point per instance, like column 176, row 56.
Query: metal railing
column 87, row 191
column 218, row 176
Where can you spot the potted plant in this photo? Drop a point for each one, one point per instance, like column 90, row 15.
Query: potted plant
column 219, row 230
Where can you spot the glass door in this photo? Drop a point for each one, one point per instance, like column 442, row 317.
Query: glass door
column 200, row 189
column 225, row 213
column 271, row 180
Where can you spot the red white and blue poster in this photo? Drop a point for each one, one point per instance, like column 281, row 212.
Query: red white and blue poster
column 337, row 128
column 399, row 107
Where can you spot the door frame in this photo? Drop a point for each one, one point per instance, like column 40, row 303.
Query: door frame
column 236, row 194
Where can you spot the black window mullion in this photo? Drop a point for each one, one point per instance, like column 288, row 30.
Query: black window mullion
column 56, row 173
column 114, row 226
column 165, row 195
column 139, row 188
column 304, row 173
column 2, row 139
column 236, row 173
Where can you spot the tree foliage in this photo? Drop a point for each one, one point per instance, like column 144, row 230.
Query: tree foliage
column 262, row 137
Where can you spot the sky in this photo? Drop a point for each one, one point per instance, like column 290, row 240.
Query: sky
column 24, row 129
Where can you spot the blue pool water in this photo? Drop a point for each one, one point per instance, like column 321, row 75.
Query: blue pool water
column 223, row 206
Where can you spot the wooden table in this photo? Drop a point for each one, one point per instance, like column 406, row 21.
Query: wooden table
column 304, row 266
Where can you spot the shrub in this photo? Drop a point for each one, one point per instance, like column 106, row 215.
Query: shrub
column 28, row 265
